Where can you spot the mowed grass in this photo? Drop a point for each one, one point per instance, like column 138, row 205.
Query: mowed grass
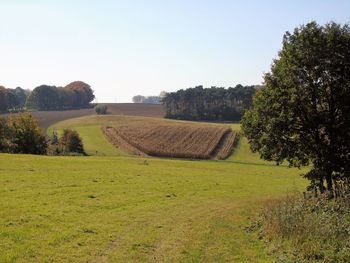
column 133, row 209
column 95, row 142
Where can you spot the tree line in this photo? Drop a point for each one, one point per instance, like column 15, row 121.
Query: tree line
column 12, row 99
column 210, row 104
column 45, row 97
column 149, row 99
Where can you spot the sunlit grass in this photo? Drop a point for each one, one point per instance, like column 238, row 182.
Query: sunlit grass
column 132, row 209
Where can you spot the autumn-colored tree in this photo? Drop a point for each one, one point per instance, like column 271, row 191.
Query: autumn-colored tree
column 83, row 93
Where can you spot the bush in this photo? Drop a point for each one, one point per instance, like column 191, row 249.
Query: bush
column 70, row 142
column 101, row 109
column 24, row 135
column 315, row 229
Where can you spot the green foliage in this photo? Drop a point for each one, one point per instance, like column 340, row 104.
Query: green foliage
column 4, row 135
column 12, row 99
column 75, row 95
column 43, row 97
column 8, row 100
column 302, row 114
column 209, row 104
column 70, row 142
column 101, row 109
column 25, row 136
column 21, row 95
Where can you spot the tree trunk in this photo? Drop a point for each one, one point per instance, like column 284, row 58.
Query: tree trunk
column 329, row 185
column 329, row 182
column 321, row 186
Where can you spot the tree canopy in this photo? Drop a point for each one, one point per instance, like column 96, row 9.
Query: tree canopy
column 12, row 99
column 75, row 95
column 215, row 103
column 302, row 114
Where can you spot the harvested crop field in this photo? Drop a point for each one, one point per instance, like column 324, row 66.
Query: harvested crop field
column 178, row 141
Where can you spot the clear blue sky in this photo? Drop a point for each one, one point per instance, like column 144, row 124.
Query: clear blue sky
column 124, row 48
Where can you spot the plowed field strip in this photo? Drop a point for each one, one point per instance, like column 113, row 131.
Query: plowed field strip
column 225, row 146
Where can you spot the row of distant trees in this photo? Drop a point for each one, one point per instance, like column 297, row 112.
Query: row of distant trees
column 149, row 99
column 12, row 99
column 215, row 103
column 75, row 95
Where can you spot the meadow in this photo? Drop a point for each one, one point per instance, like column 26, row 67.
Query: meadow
column 114, row 207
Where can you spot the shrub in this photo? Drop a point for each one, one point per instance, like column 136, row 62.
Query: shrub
column 70, row 142
column 101, row 109
column 24, row 135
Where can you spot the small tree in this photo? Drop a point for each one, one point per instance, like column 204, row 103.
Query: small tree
column 25, row 136
column 302, row 114
column 101, row 109
column 71, row 142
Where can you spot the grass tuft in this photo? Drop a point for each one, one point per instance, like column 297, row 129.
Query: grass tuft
column 308, row 230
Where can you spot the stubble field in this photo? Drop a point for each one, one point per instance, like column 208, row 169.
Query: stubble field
column 176, row 141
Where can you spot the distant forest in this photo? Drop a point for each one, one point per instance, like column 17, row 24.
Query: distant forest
column 75, row 95
column 210, row 104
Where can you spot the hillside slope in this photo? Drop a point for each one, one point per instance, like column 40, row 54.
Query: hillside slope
column 132, row 209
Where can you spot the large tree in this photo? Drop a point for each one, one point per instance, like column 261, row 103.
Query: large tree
column 83, row 94
column 302, row 115
column 44, row 97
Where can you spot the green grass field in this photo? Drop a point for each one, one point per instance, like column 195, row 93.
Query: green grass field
column 117, row 208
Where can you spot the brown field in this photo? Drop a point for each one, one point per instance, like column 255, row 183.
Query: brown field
column 47, row 118
column 178, row 141
column 136, row 109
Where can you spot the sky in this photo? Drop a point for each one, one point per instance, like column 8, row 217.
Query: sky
column 126, row 48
